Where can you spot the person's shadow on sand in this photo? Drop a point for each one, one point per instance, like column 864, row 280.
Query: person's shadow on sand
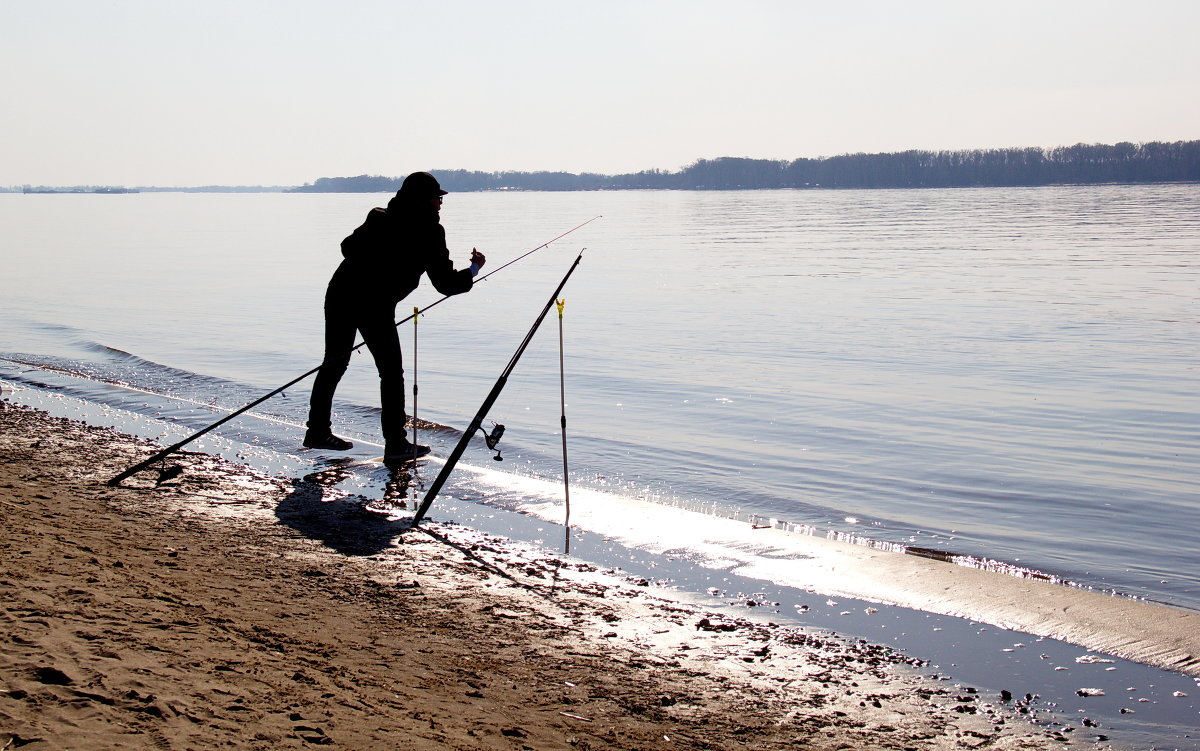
column 347, row 526
column 343, row 523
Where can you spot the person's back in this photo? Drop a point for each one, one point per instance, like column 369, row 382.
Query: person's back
column 386, row 255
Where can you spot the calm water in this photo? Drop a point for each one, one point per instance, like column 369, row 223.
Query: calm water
column 1009, row 374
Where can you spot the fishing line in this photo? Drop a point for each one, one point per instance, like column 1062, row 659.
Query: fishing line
column 176, row 446
column 469, row 433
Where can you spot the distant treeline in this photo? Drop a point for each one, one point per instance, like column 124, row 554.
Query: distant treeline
column 1080, row 164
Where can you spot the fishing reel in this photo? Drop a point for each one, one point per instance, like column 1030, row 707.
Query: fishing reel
column 493, row 438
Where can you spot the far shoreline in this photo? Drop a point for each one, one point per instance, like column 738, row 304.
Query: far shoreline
column 1153, row 162
column 237, row 189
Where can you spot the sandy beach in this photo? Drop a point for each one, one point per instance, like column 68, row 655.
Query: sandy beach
column 201, row 611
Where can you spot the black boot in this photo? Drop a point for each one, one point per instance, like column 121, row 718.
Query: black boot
column 396, row 454
column 317, row 439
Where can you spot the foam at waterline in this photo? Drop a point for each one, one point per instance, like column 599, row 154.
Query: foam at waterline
column 1158, row 635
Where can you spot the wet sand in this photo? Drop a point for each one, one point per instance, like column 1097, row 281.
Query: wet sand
column 205, row 611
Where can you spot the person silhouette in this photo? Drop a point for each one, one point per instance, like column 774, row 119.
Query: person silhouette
column 383, row 260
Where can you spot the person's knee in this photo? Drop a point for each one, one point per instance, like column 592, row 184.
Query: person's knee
column 389, row 363
column 335, row 365
column 389, row 373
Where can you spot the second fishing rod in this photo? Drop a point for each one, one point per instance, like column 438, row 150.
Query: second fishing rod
column 159, row 456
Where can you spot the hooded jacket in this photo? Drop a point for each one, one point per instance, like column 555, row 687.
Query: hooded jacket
column 385, row 257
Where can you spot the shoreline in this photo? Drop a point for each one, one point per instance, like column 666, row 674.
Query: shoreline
column 1159, row 635
column 196, row 613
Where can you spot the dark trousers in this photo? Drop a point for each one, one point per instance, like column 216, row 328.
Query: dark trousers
column 378, row 328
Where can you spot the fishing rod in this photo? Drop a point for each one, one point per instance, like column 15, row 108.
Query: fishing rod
column 562, row 400
column 176, row 446
column 477, row 421
column 416, row 316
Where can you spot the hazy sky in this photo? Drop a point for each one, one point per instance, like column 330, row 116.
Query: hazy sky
column 266, row 92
